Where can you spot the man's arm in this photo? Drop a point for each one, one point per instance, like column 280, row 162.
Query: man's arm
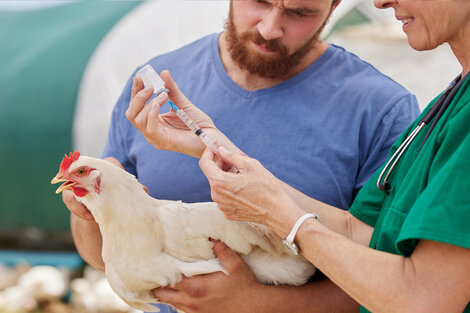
column 87, row 237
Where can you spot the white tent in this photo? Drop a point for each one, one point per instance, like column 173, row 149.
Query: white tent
column 381, row 41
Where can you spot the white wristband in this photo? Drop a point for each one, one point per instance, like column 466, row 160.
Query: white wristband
column 289, row 241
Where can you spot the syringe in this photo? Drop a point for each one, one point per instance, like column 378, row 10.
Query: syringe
column 208, row 141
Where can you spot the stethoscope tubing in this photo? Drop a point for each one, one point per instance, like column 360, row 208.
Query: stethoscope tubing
column 436, row 111
column 397, row 155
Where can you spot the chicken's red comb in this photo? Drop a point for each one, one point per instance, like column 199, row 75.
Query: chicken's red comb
column 68, row 160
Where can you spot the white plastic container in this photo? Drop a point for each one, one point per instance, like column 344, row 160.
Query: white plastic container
column 150, row 78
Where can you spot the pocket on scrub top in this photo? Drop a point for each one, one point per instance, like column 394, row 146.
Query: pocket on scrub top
column 390, row 229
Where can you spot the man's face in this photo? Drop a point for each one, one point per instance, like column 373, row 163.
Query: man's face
column 268, row 38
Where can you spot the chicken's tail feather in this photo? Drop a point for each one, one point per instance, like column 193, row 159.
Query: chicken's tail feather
column 272, row 269
column 189, row 269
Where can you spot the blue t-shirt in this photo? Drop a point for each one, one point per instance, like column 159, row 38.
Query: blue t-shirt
column 324, row 131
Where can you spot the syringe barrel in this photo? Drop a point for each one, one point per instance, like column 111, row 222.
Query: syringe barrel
column 208, row 141
column 187, row 121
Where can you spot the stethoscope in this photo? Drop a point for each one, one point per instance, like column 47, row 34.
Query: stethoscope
column 437, row 111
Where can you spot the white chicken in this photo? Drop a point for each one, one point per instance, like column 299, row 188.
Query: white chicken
column 9, row 275
column 38, row 284
column 45, row 282
column 93, row 294
column 148, row 243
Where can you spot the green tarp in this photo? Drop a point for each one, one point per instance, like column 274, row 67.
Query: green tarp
column 43, row 54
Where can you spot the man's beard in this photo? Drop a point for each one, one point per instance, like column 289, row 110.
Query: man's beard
column 265, row 66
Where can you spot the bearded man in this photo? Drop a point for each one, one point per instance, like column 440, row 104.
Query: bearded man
column 315, row 115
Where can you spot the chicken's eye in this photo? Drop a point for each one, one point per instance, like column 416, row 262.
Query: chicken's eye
column 81, row 171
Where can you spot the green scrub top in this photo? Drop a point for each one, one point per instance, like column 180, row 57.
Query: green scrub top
column 430, row 191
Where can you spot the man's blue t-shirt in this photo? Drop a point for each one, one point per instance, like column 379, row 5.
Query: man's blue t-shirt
column 324, row 131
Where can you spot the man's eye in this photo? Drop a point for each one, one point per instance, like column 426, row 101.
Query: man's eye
column 262, row 2
column 299, row 14
column 81, row 171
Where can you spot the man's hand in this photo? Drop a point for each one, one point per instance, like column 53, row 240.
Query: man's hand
column 216, row 292
column 76, row 207
column 166, row 131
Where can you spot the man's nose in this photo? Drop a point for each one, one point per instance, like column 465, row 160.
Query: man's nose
column 270, row 26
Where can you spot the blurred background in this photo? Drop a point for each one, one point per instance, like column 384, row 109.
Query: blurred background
column 63, row 65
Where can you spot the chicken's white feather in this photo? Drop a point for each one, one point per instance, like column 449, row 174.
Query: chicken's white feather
column 148, row 243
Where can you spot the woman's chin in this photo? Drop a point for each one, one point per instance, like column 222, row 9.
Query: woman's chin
column 420, row 46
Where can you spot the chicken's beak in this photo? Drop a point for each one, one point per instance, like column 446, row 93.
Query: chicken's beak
column 58, row 179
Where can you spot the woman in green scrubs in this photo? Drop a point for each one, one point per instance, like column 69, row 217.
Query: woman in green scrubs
column 406, row 249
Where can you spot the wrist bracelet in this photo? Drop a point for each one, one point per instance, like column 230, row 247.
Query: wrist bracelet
column 289, row 241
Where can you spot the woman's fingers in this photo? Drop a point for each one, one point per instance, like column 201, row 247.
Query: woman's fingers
column 208, row 165
column 230, row 160
column 235, row 159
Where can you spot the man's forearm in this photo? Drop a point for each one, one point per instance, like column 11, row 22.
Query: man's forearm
column 88, row 240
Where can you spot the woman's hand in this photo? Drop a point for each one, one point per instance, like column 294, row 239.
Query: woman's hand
column 253, row 194
column 166, row 131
